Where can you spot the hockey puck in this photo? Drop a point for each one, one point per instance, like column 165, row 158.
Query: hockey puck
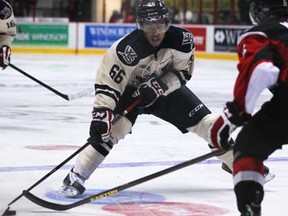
column 9, row 212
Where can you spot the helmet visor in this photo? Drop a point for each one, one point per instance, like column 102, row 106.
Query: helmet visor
column 160, row 26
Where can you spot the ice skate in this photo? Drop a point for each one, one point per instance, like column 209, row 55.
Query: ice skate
column 268, row 176
column 73, row 185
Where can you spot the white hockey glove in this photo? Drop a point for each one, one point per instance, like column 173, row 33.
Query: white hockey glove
column 100, row 127
column 150, row 91
column 5, row 56
column 226, row 124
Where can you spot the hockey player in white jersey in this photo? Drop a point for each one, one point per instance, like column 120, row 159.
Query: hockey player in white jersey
column 7, row 32
column 154, row 62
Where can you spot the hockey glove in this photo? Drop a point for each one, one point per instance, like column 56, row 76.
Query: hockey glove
column 5, row 56
column 100, row 127
column 150, row 91
column 226, row 124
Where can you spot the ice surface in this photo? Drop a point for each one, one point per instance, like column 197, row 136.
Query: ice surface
column 38, row 130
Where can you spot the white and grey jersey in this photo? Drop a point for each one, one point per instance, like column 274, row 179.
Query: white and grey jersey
column 7, row 24
column 131, row 60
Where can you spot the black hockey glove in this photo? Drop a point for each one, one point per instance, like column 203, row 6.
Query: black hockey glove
column 100, row 128
column 225, row 124
column 150, row 91
column 5, row 53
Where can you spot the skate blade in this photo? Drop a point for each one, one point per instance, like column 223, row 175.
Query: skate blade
column 269, row 177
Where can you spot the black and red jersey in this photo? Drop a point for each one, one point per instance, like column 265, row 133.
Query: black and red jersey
column 263, row 55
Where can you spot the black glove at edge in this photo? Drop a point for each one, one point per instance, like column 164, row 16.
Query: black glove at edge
column 101, row 124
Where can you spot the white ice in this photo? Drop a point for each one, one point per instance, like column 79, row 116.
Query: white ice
column 32, row 116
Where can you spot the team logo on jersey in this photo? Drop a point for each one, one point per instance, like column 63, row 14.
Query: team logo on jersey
column 140, row 74
column 129, row 55
column 187, row 38
column 5, row 13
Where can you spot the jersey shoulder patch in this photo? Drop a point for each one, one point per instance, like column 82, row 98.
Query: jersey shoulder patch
column 179, row 39
column 5, row 10
column 132, row 48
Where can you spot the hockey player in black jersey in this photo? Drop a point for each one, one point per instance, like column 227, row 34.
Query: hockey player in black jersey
column 154, row 62
column 263, row 54
column 7, row 32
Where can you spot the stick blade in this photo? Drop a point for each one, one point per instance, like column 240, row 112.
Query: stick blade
column 6, row 211
column 44, row 203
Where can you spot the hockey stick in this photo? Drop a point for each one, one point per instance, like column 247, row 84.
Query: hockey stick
column 65, row 96
column 125, row 112
column 7, row 211
column 63, row 207
column 47, row 175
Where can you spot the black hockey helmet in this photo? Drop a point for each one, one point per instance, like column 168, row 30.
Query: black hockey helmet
column 266, row 10
column 153, row 11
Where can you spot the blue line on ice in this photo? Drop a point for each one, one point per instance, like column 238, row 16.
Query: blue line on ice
column 120, row 165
